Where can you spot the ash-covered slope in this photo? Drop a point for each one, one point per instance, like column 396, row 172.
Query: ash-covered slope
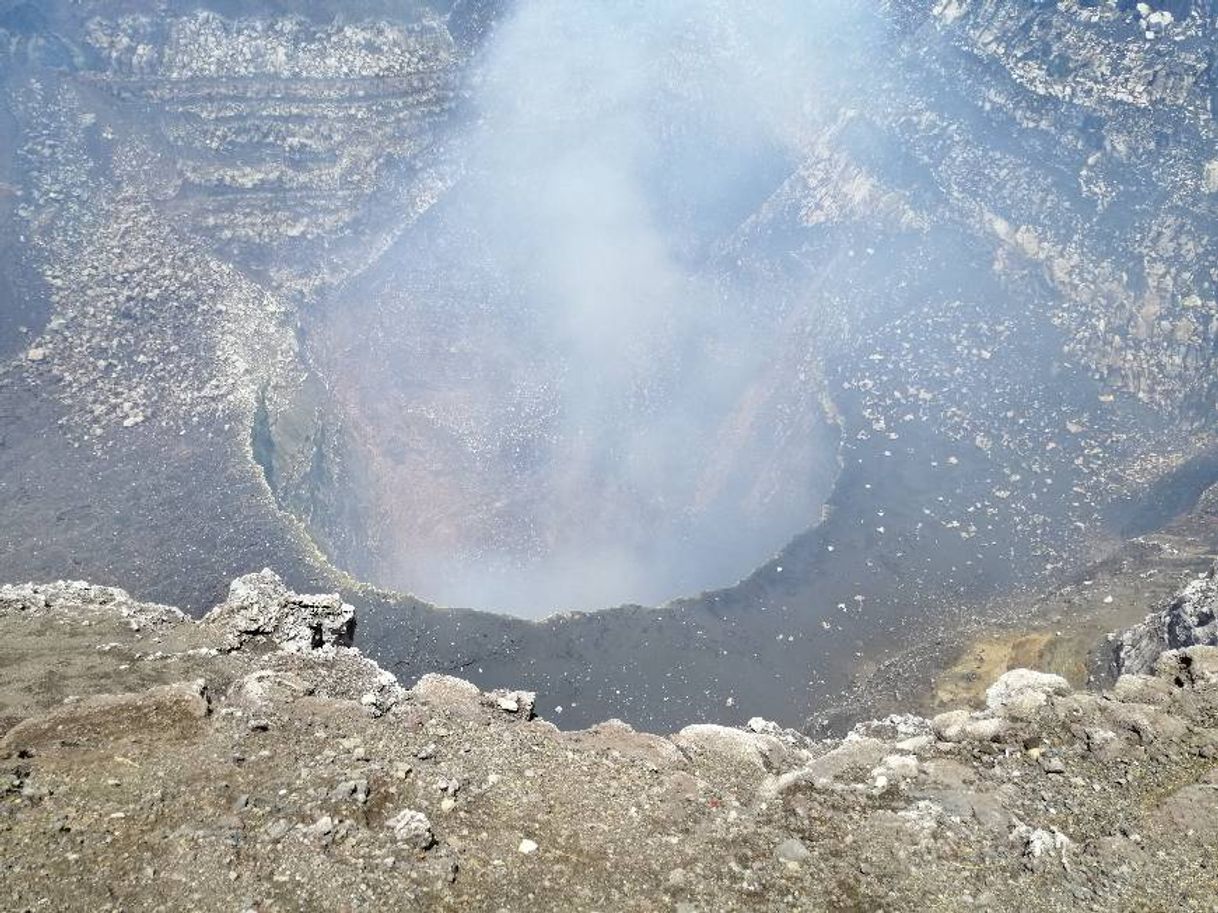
column 254, row 761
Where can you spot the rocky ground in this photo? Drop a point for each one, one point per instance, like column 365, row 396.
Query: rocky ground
column 256, row 761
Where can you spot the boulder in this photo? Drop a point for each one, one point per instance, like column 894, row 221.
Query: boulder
column 619, row 737
column 963, row 726
column 267, row 687
column 447, row 692
column 260, row 605
column 1141, row 689
column 1191, row 811
column 1022, row 691
column 749, row 749
column 1189, row 667
column 166, row 712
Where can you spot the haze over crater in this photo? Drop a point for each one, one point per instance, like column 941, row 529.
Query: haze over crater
column 567, row 393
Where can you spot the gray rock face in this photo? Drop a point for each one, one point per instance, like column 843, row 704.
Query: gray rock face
column 261, row 605
column 1188, row 621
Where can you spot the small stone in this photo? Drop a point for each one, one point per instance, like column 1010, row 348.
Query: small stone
column 1051, row 764
column 322, row 827
column 259, row 725
column 516, row 702
column 36, row 354
column 350, row 789
column 527, row 846
column 412, row 828
column 792, row 851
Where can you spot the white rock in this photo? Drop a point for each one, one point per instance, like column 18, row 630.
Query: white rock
column 446, row 691
column 792, row 851
column 949, row 726
column 749, row 748
column 1024, row 689
column 985, row 729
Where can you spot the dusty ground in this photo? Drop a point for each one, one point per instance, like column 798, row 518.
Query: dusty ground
column 249, row 763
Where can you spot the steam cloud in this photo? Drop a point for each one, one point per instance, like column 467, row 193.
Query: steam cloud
column 646, row 436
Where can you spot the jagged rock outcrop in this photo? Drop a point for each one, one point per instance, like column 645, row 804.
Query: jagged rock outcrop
column 261, row 605
column 1190, row 619
column 38, row 600
column 237, row 763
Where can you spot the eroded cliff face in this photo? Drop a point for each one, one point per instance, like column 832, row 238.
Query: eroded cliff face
column 254, row 760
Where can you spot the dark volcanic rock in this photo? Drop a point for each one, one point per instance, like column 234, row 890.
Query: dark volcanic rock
column 1188, row 621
